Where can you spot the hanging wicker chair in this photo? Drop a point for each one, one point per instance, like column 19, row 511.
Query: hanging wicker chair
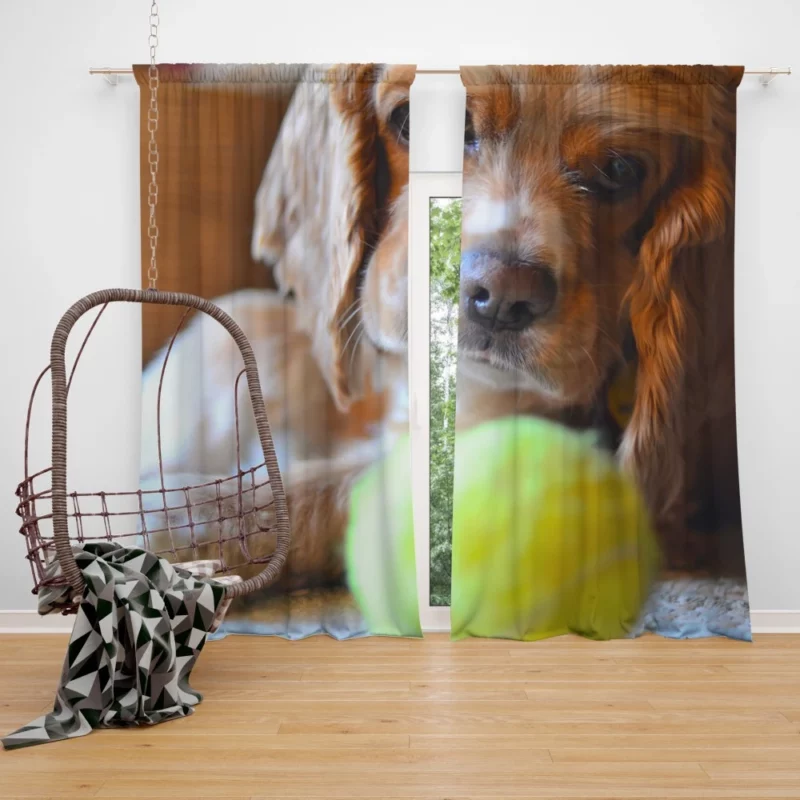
column 240, row 522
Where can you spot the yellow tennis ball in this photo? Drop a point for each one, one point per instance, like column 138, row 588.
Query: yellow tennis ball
column 379, row 546
column 549, row 536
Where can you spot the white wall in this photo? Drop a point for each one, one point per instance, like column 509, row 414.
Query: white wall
column 69, row 197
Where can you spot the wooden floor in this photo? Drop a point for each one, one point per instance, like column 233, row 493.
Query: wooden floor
column 380, row 718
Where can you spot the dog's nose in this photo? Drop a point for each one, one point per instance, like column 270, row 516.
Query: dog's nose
column 505, row 295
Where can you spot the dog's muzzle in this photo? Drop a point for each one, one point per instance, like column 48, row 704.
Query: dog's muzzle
column 503, row 294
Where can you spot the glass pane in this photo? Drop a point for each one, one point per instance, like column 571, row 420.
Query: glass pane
column 445, row 258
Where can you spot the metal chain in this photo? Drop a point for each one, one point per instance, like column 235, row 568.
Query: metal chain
column 152, row 153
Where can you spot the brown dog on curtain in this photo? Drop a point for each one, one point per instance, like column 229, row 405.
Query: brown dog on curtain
column 598, row 200
column 331, row 222
column 598, row 210
column 331, row 216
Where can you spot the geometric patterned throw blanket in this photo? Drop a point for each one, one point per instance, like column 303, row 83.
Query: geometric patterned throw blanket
column 139, row 630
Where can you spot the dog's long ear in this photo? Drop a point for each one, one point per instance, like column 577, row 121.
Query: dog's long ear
column 689, row 236
column 316, row 213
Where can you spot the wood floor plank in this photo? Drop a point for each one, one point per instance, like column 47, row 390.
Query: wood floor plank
column 445, row 670
column 592, row 690
column 41, row 783
column 378, row 719
column 791, row 669
column 652, row 754
column 717, row 700
column 753, row 771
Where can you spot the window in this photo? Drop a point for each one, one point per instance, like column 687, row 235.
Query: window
column 434, row 258
column 444, row 261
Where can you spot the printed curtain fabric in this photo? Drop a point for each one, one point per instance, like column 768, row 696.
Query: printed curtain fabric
column 283, row 199
column 595, row 487
column 596, row 482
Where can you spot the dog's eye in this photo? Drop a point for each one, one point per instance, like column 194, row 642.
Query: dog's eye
column 471, row 141
column 400, row 120
column 617, row 176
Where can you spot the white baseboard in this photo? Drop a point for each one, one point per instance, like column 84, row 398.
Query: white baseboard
column 31, row 622
column 778, row 621
column 434, row 619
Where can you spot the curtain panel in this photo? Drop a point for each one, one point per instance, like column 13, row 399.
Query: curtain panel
column 595, row 356
column 282, row 198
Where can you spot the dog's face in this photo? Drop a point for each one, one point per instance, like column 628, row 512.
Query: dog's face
column 571, row 188
column 331, row 216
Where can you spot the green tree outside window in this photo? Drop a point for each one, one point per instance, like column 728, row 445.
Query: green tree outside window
column 445, row 259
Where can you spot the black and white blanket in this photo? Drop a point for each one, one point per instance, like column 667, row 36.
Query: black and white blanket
column 137, row 635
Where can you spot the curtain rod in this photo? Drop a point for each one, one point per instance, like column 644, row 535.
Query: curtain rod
column 767, row 75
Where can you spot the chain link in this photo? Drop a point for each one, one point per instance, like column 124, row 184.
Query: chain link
column 152, row 148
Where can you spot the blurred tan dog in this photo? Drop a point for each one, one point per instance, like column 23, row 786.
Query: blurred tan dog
column 331, row 221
